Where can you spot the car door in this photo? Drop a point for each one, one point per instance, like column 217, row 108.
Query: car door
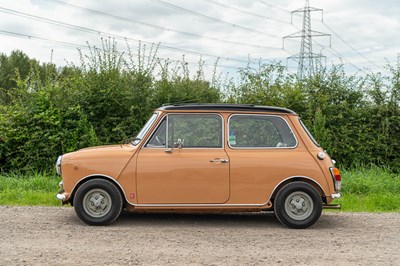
column 184, row 162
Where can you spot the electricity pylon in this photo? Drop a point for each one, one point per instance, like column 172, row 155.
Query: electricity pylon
column 306, row 58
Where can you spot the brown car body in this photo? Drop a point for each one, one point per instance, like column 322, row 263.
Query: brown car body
column 177, row 178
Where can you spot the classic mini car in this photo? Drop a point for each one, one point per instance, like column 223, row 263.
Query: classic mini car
column 205, row 157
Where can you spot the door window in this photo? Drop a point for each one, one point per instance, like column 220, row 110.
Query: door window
column 195, row 130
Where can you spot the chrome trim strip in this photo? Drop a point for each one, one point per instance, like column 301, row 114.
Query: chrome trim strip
column 261, row 148
column 228, row 205
column 148, row 128
column 200, row 205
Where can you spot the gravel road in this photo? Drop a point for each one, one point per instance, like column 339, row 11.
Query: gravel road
column 55, row 236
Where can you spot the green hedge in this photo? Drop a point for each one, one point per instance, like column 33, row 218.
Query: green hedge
column 47, row 111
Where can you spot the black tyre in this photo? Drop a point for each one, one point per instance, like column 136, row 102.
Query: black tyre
column 298, row 205
column 98, row 202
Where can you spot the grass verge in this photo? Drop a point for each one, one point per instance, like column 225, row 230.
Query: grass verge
column 370, row 190
column 29, row 189
column 364, row 190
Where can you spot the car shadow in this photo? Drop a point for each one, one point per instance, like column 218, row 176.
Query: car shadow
column 327, row 221
column 199, row 219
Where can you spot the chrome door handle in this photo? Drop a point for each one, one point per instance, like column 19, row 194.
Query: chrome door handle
column 219, row 161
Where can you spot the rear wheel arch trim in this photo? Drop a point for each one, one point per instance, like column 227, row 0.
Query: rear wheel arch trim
column 293, row 179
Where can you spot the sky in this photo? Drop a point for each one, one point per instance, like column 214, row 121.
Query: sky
column 363, row 33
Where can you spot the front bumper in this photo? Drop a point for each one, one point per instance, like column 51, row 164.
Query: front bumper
column 63, row 197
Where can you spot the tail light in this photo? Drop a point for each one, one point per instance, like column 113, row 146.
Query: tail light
column 336, row 178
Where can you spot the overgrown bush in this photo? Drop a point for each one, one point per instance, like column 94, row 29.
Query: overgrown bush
column 46, row 111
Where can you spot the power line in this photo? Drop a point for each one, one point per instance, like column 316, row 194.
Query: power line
column 351, row 47
column 334, row 52
column 31, row 37
column 101, row 33
column 75, row 45
column 275, row 6
column 92, row 11
column 340, row 56
column 245, row 11
column 211, row 18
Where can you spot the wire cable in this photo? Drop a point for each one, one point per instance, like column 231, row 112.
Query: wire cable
column 101, row 33
column 104, row 14
column 350, row 46
column 246, row 12
column 212, row 18
column 75, row 45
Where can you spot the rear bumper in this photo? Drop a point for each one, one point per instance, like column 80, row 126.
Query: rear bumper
column 333, row 206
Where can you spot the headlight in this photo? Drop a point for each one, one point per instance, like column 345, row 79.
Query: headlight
column 58, row 165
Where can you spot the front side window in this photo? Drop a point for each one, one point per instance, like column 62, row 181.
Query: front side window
column 146, row 127
column 193, row 130
column 260, row 131
column 159, row 137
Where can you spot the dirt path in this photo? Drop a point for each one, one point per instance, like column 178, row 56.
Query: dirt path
column 55, row 236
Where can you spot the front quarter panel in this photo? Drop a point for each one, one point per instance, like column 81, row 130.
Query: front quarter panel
column 100, row 161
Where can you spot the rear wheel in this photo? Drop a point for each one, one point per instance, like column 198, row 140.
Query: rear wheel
column 98, row 202
column 298, row 205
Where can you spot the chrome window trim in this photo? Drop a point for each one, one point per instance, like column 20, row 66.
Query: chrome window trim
column 154, row 131
column 309, row 133
column 261, row 148
column 199, row 148
column 147, row 130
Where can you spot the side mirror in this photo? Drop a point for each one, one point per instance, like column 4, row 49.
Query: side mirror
column 178, row 144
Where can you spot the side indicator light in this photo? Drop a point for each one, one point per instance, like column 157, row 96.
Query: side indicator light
column 132, row 195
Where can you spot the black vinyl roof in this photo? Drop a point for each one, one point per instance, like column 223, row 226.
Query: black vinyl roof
column 227, row 107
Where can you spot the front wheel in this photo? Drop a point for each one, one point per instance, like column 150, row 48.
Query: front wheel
column 98, row 202
column 298, row 205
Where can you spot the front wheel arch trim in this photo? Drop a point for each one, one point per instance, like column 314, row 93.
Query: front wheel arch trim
column 93, row 176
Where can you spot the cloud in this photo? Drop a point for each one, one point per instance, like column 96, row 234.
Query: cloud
column 368, row 26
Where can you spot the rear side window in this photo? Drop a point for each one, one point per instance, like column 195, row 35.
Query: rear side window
column 260, row 131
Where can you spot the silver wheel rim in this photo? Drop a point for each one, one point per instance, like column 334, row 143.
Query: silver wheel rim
column 299, row 205
column 97, row 203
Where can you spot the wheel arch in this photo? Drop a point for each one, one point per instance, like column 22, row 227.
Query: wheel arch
column 97, row 176
column 305, row 179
